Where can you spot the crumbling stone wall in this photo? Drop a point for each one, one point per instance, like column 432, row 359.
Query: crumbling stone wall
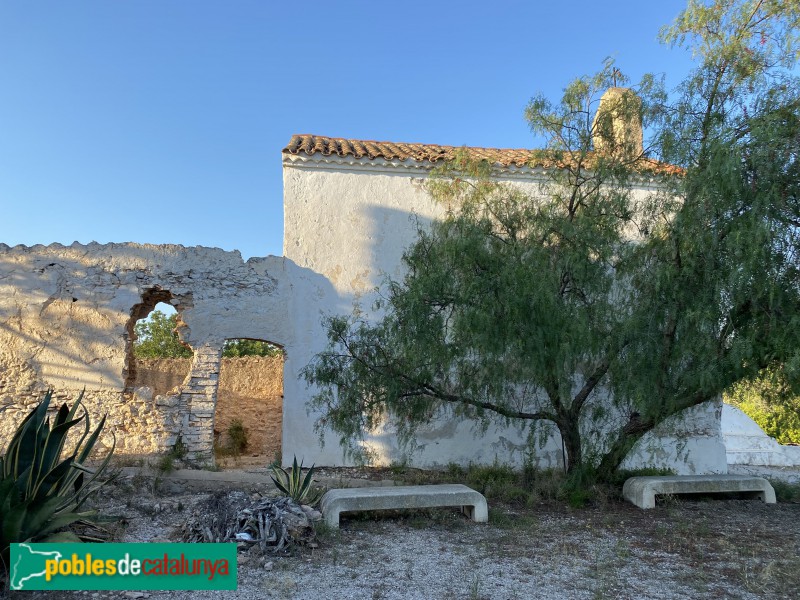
column 250, row 390
column 66, row 313
column 162, row 375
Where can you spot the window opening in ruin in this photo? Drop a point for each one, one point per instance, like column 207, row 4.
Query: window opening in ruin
column 156, row 357
column 249, row 411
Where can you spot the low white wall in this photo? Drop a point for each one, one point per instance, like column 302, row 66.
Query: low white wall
column 747, row 444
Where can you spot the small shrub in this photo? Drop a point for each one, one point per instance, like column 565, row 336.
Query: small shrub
column 620, row 476
column 786, row 492
column 234, row 444
column 179, row 450
column 165, row 464
column 544, row 485
column 42, row 494
column 237, row 437
column 294, row 485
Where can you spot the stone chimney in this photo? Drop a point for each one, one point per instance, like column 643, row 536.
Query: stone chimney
column 617, row 126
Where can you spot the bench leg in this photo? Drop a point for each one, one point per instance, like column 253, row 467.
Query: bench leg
column 478, row 512
column 332, row 518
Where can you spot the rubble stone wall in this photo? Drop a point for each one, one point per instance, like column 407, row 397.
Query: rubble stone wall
column 250, row 390
column 66, row 317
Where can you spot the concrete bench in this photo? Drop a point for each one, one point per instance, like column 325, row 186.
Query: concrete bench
column 335, row 502
column 642, row 491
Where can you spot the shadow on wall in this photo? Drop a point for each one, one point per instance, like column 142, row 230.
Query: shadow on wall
column 251, row 393
column 390, row 233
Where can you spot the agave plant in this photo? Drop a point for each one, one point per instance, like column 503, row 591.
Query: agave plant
column 294, row 485
column 41, row 493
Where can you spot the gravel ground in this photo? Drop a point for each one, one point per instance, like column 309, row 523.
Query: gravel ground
column 682, row 549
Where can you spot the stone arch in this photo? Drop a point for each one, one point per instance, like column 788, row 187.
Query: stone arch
column 150, row 298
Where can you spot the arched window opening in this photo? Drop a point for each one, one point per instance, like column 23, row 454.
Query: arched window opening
column 156, row 356
column 249, row 412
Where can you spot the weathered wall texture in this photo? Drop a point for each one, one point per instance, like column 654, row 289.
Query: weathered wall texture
column 66, row 315
column 162, row 375
column 747, row 444
column 250, row 390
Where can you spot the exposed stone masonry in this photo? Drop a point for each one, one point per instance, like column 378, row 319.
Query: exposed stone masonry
column 66, row 313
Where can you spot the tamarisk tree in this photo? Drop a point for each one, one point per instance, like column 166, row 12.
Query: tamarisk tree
column 599, row 306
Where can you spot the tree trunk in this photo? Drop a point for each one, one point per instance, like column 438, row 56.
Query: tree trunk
column 571, row 438
column 616, row 454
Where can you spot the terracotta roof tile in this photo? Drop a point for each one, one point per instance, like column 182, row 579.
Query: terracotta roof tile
column 503, row 157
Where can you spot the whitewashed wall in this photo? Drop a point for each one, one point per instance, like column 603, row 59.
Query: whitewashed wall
column 64, row 312
column 747, row 444
column 349, row 221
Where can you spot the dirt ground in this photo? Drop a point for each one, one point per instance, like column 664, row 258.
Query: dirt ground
column 703, row 548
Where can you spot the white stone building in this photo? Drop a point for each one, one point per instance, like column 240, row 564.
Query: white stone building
column 350, row 209
column 67, row 313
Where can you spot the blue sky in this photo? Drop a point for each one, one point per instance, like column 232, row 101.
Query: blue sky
column 162, row 121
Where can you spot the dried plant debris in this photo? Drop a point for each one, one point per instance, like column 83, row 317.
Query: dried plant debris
column 272, row 524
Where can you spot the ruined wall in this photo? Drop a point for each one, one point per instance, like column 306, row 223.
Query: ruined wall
column 250, row 390
column 162, row 375
column 66, row 315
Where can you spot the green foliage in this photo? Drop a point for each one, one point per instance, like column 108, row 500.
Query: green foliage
column 235, row 442
column 237, row 437
column 179, row 449
column 770, row 401
column 246, row 347
column 529, row 310
column 41, row 493
column 530, row 486
column 294, row 485
column 156, row 337
column 622, row 475
column 165, row 464
column 786, row 492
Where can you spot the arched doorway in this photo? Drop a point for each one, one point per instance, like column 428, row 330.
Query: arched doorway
column 249, row 411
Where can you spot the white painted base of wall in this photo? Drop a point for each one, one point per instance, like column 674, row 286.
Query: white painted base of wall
column 747, row 444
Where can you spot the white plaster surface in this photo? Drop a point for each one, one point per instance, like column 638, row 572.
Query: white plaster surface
column 747, row 444
column 689, row 443
column 349, row 220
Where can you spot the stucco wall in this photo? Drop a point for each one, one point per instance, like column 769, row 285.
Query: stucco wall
column 349, row 220
column 66, row 316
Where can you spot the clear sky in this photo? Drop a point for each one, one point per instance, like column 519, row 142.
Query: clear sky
column 162, row 121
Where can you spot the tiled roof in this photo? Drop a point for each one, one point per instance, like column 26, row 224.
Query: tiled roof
column 502, row 157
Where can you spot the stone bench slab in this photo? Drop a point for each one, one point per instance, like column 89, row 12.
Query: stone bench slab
column 337, row 501
column 642, row 491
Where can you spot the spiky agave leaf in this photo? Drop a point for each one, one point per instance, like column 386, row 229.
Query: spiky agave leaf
column 292, row 483
column 41, row 491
